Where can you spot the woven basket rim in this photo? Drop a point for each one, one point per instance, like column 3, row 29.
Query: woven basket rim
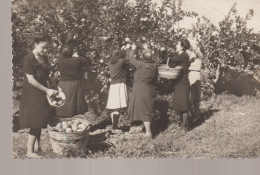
column 53, row 130
column 165, row 66
column 80, row 117
column 69, row 137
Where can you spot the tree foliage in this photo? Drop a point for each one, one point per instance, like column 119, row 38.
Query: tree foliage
column 94, row 26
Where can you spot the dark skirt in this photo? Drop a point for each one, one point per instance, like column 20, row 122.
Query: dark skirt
column 35, row 111
column 181, row 94
column 75, row 99
column 196, row 91
column 141, row 105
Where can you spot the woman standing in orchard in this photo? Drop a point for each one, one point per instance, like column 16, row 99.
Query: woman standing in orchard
column 196, row 58
column 182, row 86
column 71, row 83
column 35, row 111
column 118, row 96
column 141, row 106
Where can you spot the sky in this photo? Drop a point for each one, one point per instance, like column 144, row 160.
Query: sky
column 215, row 10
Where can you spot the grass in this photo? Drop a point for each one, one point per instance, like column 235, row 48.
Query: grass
column 229, row 128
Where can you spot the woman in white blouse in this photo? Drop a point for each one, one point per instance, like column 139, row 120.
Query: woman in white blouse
column 196, row 59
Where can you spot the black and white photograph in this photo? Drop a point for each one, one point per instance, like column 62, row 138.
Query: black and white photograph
column 175, row 79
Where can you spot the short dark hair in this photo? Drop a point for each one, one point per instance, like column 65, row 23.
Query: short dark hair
column 115, row 54
column 185, row 44
column 66, row 51
column 42, row 38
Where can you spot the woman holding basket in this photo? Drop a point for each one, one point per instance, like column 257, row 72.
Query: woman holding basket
column 182, row 86
column 35, row 111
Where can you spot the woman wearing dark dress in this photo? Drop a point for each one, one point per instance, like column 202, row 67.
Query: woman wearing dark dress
column 34, row 107
column 182, row 86
column 141, row 106
column 71, row 83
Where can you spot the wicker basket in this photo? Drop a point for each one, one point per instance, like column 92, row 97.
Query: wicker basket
column 59, row 140
column 59, row 148
column 61, row 94
column 167, row 72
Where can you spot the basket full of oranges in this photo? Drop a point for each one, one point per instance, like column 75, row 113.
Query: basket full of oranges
column 72, row 131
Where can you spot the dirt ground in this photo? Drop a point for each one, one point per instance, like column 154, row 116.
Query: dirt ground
column 229, row 128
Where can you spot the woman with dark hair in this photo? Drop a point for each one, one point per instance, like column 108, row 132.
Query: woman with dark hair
column 118, row 95
column 35, row 111
column 141, row 106
column 182, row 86
column 71, row 83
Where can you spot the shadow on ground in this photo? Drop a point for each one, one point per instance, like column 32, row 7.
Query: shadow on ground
column 161, row 121
column 166, row 116
column 98, row 142
column 205, row 115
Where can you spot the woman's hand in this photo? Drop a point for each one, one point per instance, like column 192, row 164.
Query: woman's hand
column 127, row 46
column 50, row 92
column 145, row 46
column 133, row 46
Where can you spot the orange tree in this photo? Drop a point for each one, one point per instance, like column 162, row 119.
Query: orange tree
column 229, row 46
column 94, row 26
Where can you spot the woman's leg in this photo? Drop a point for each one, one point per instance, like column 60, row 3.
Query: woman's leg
column 147, row 126
column 115, row 118
column 30, row 144
column 185, row 117
column 196, row 100
column 196, row 110
column 33, row 140
column 37, row 146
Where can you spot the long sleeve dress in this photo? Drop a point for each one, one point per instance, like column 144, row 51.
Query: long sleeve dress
column 72, row 86
column 35, row 111
column 182, row 86
column 141, row 106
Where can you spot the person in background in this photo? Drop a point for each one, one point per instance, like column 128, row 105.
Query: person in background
column 196, row 58
column 141, row 105
column 71, row 76
column 118, row 94
column 182, row 86
column 35, row 111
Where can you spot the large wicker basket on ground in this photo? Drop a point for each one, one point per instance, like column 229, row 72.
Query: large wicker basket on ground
column 61, row 139
column 167, row 72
